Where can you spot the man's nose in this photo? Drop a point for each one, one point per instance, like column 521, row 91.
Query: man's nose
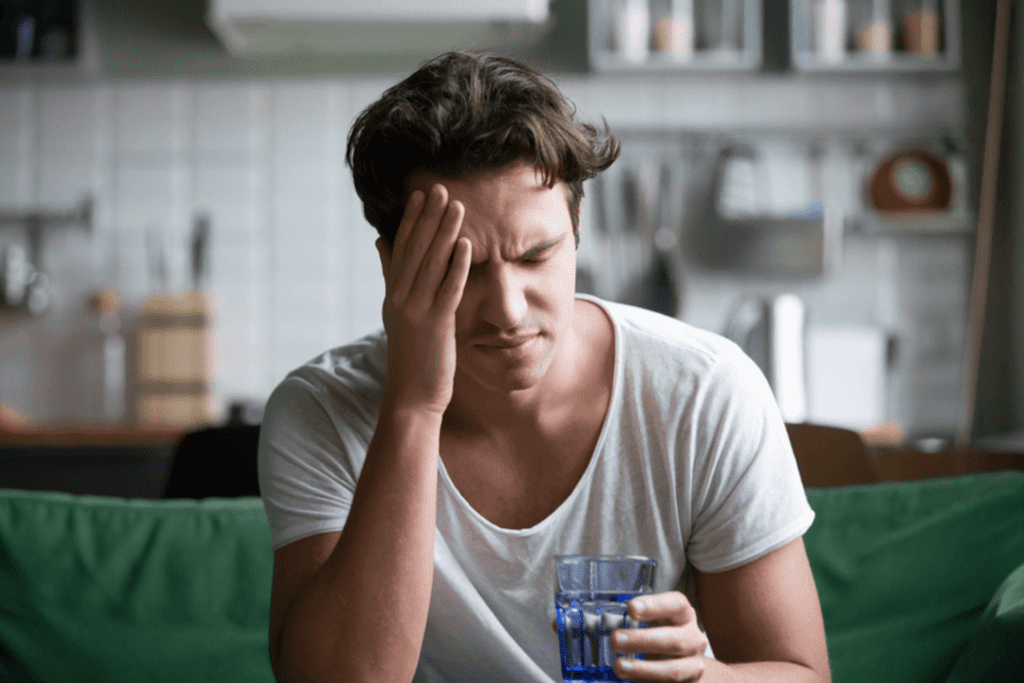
column 504, row 304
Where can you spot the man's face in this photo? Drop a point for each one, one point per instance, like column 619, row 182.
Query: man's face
column 517, row 307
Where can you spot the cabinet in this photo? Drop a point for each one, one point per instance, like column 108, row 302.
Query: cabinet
column 674, row 35
column 875, row 35
column 825, row 35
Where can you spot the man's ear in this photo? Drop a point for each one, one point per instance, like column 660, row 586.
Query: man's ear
column 385, row 256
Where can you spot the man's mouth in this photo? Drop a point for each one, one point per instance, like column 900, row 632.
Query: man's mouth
column 507, row 342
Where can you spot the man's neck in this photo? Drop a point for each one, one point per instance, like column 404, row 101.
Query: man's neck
column 480, row 410
column 475, row 409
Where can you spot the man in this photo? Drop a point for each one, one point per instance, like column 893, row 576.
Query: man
column 420, row 481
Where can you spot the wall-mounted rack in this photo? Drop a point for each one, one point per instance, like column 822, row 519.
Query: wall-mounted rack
column 888, row 36
column 23, row 283
column 675, row 35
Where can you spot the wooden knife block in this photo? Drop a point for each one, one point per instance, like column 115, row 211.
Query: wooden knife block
column 175, row 363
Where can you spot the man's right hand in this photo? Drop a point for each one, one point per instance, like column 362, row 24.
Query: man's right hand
column 327, row 587
column 425, row 274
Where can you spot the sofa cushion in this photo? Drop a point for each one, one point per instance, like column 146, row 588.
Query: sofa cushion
column 904, row 570
column 110, row 589
column 995, row 652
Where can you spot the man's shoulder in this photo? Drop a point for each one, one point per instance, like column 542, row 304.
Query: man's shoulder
column 356, row 370
column 653, row 337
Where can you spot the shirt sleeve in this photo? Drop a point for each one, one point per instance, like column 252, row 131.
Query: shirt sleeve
column 747, row 496
column 307, row 463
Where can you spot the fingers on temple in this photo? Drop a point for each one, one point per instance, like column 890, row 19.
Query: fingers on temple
column 455, row 281
column 415, row 235
column 413, row 210
column 441, row 253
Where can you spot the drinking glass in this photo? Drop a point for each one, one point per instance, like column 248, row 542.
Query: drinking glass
column 590, row 602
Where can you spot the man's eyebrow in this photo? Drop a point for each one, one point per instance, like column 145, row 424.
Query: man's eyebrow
column 536, row 249
column 542, row 246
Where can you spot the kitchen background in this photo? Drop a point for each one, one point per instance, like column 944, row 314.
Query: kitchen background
column 157, row 161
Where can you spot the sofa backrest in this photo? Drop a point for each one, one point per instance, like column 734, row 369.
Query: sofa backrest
column 109, row 589
column 904, row 570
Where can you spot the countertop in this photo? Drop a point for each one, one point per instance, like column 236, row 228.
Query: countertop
column 128, row 435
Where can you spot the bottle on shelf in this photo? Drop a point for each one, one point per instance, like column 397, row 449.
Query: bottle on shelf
column 830, row 30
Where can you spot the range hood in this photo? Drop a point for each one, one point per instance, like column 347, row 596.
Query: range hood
column 355, row 27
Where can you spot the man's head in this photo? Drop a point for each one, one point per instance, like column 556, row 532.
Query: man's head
column 464, row 114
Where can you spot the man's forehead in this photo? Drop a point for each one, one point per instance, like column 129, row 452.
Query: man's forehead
column 512, row 210
column 529, row 176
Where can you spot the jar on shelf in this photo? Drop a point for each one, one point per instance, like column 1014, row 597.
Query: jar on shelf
column 829, row 30
column 920, row 28
column 630, row 23
column 672, row 29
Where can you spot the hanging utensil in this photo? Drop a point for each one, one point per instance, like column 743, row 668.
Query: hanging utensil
column 600, row 208
column 631, row 200
column 157, row 260
column 200, row 249
column 661, row 279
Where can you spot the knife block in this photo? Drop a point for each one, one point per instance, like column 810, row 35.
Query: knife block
column 175, row 361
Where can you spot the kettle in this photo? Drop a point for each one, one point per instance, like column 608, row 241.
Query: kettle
column 771, row 331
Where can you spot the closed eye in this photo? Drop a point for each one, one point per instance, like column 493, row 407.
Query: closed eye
column 533, row 256
column 540, row 253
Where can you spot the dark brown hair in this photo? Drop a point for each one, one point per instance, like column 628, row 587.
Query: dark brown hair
column 466, row 113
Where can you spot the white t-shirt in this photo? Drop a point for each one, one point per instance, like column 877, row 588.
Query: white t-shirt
column 693, row 467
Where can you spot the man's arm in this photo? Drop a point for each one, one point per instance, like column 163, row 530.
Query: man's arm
column 763, row 621
column 352, row 606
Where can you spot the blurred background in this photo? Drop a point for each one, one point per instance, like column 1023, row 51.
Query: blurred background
column 178, row 229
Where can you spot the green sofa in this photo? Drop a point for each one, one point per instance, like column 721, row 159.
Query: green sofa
column 916, row 581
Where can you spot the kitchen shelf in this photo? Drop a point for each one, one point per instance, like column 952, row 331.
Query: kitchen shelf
column 814, row 51
column 956, row 222
column 84, row 61
column 674, row 35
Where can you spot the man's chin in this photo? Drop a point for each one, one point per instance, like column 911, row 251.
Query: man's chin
column 502, row 371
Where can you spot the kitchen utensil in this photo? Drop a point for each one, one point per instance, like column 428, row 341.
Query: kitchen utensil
column 777, row 240
column 106, row 304
column 661, row 281
column 157, row 260
column 600, row 204
column 632, row 199
column 771, row 331
column 846, row 375
column 200, row 248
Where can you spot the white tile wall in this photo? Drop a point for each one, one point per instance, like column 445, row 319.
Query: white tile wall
column 232, row 120
column 154, row 121
column 18, row 157
column 264, row 160
column 293, row 266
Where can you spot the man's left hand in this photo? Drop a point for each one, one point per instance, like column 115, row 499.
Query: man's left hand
column 673, row 644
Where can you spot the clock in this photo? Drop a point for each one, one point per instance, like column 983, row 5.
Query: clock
column 911, row 181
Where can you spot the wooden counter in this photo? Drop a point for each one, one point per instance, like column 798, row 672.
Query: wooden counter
column 93, row 436
column 128, row 462
column 904, row 464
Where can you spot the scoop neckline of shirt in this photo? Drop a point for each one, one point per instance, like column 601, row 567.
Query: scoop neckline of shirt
column 588, row 473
